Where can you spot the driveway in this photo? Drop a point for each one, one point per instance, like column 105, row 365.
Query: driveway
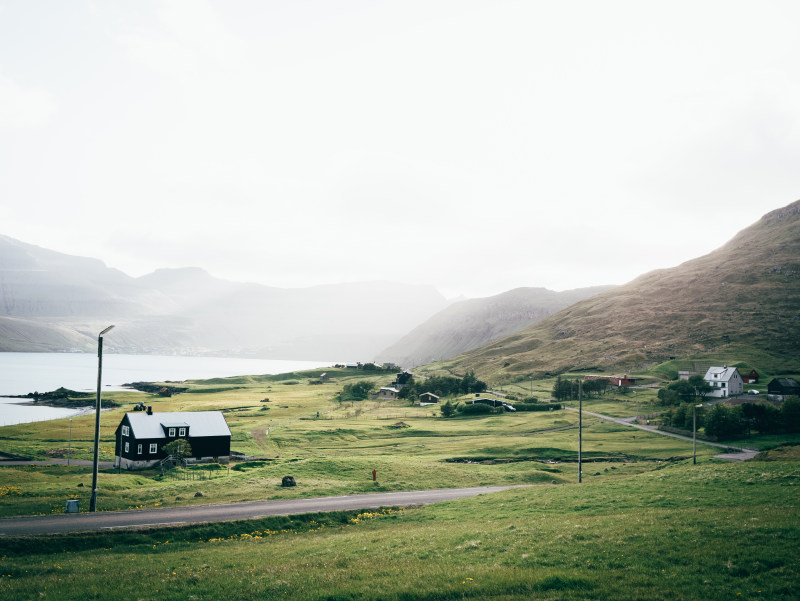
column 733, row 453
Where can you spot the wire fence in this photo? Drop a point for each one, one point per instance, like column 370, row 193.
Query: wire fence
column 194, row 474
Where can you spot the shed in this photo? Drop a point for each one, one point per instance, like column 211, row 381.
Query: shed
column 780, row 388
column 141, row 436
column 427, row 398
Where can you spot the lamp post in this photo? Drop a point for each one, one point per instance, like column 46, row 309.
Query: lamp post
column 694, row 433
column 93, row 499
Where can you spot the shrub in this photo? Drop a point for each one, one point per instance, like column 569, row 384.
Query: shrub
column 478, row 409
column 537, row 406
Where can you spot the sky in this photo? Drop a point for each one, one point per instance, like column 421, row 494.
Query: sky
column 475, row 146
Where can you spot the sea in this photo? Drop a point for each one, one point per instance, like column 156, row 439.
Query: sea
column 21, row 373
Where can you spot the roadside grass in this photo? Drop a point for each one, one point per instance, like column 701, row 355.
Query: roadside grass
column 711, row 531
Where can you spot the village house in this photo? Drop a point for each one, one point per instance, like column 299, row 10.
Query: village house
column 387, row 393
column 142, row 435
column 724, row 381
column 614, row 380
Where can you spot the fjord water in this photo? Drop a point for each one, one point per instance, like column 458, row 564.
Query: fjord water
column 21, row 373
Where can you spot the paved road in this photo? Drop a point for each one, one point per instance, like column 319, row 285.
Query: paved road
column 733, row 454
column 173, row 516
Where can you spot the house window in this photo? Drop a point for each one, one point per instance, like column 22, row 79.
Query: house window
column 153, row 448
column 172, row 431
column 126, row 431
column 127, row 448
column 182, row 432
column 138, row 449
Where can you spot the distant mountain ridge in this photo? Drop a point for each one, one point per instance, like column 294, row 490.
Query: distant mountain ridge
column 472, row 323
column 51, row 301
column 740, row 301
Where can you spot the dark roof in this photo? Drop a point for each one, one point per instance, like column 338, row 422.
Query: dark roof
column 784, row 385
column 200, row 423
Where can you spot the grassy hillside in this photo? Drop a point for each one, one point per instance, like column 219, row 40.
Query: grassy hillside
column 741, row 302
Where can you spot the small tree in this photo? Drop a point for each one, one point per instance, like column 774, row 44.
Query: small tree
column 180, row 449
column 448, row 409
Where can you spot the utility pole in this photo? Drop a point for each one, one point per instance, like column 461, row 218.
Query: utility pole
column 580, row 429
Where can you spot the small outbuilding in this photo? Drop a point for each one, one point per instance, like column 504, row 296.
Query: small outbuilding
column 142, row 436
column 428, row 398
column 780, row 388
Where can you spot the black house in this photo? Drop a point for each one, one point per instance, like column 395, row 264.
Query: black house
column 141, row 436
column 783, row 387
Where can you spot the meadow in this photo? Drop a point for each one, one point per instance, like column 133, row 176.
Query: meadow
column 644, row 524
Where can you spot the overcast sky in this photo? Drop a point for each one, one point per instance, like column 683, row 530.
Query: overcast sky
column 473, row 146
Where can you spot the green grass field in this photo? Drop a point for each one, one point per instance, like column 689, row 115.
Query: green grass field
column 644, row 524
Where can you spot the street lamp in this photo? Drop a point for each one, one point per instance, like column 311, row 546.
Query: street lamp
column 93, row 499
column 694, row 433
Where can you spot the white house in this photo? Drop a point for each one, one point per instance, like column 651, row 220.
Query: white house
column 724, row 381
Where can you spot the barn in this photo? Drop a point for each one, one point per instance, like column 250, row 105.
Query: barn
column 142, row 435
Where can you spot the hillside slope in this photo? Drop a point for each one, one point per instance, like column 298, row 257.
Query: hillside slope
column 740, row 301
column 472, row 323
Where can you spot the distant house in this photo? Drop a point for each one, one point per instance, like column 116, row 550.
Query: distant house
column 402, row 379
column 751, row 378
column 780, row 388
column 615, row 380
column 724, row 381
column 141, row 436
column 388, row 393
column 324, row 377
column 623, row 381
column 427, row 398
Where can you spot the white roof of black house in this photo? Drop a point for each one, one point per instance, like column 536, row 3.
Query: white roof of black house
column 200, row 423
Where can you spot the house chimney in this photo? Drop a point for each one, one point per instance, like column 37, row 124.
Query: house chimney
column 149, row 410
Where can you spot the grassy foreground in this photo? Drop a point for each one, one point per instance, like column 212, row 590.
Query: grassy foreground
column 711, row 531
column 644, row 524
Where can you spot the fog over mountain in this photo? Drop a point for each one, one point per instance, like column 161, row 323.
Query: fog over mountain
column 57, row 302
column 471, row 323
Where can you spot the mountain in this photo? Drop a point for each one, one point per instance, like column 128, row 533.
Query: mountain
column 472, row 323
column 51, row 301
column 739, row 302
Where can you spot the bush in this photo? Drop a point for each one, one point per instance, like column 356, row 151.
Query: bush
column 725, row 423
column 537, row 406
column 790, row 414
column 357, row 391
column 478, row 409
